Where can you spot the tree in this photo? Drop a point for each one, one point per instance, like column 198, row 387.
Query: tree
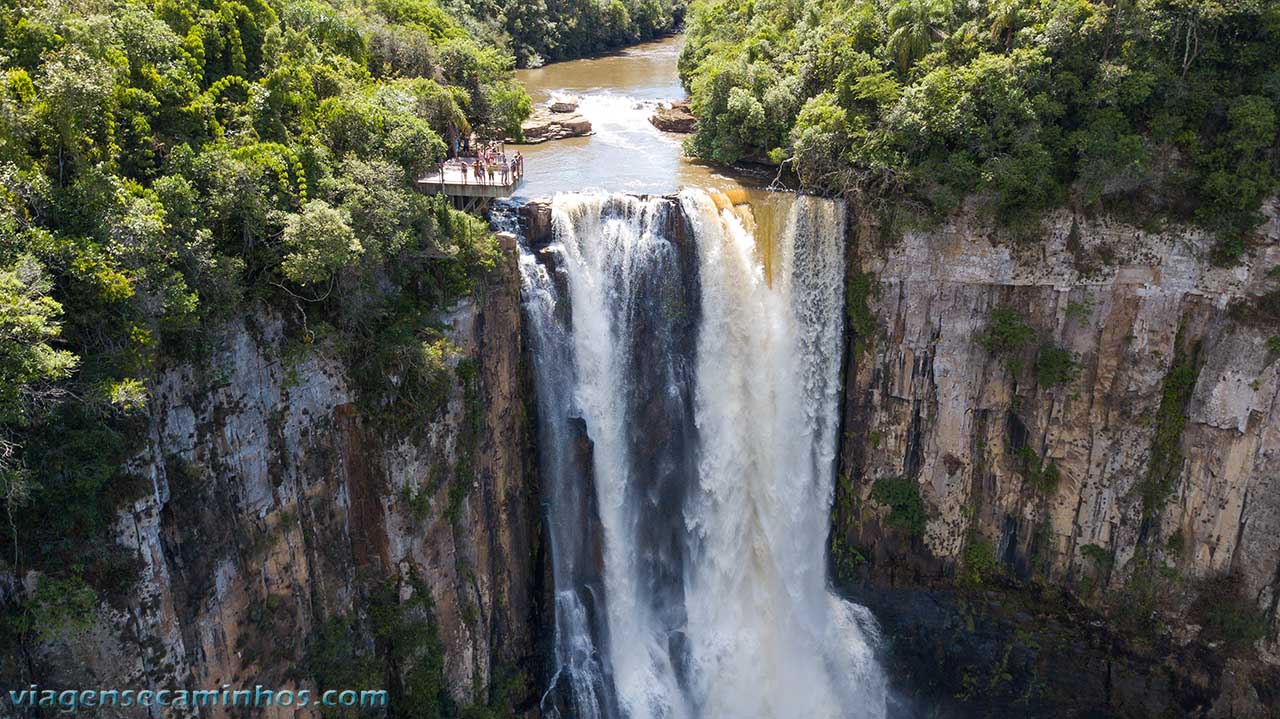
column 914, row 26
column 319, row 242
column 29, row 368
column 29, row 364
column 1004, row 17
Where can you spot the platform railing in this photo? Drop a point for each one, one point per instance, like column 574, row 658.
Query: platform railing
column 452, row 172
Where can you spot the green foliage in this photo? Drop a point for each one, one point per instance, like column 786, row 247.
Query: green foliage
column 338, row 656
column 506, row 688
column 318, row 242
column 845, row 561
column 1040, row 476
column 1025, row 106
column 914, row 26
column 1227, row 614
column 408, row 633
column 550, row 30
column 417, row 358
column 1165, row 466
column 398, row 639
column 862, row 322
column 1145, row 597
column 473, row 428
column 1007, row 335
column 906, row 508
column 58, row 606
column 30, row 368
column 1055, row 366
column 979, row 564
column 1098, row 555
column 418, row 499
column 29, row 365
column 1079, row 310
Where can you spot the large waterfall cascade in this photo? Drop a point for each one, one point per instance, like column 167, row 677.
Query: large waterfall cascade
column 687, row 362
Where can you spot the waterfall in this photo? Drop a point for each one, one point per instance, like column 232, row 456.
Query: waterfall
column 687, row 404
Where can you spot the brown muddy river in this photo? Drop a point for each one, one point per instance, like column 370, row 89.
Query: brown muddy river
column 618, row 93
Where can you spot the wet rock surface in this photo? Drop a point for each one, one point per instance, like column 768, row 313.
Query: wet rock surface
column 535, row 222
column 563, row 105
column 675, row 117
column 1000, row 652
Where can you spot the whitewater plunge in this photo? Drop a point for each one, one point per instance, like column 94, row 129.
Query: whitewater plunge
column 687, row 361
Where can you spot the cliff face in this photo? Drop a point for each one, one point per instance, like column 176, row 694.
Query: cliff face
column 1142, row 475
column 1056, row 540
column 277, row 505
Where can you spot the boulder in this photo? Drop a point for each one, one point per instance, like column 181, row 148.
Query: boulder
column 544, row 125
column 675, row 117
column 565, row 105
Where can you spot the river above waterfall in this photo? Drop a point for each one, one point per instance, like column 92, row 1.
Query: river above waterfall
column 686, row 358
column 618, row 93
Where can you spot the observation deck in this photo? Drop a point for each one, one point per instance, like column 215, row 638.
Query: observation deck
column 468, row 191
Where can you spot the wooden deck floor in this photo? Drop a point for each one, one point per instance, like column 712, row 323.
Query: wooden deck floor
column 454, row 183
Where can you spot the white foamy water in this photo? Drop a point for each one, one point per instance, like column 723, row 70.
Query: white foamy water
column 709, row 396
column 767, row 639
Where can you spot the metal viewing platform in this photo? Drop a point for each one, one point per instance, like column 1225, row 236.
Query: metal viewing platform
column 469, row 191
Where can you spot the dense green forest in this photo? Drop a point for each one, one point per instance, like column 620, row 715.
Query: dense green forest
column 1168, row 106
column 549, row 30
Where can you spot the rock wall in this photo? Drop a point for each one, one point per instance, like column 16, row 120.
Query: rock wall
column 1154, row 469
column 275, row 500
column 275, row 503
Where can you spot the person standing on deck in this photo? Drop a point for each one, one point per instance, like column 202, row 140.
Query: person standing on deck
column 464, row 172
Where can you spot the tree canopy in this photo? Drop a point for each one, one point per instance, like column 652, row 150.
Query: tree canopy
column 552, row 30
column 1167, row 105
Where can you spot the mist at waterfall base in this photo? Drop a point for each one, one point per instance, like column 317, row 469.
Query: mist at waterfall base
column 687, row 369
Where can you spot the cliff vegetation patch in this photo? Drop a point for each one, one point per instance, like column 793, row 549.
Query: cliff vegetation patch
column 906, row 508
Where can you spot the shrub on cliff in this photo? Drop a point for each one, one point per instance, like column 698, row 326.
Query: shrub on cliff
column 1007, row 335
column 906, row 507
column 1055, row 365
column 1227, row 614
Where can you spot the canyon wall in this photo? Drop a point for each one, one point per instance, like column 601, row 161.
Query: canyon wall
column 277, row 506
column 1036, row 538
column 1141, row 476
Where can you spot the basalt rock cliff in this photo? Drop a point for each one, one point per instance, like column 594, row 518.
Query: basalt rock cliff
column 1058, row 479
column 278, row 510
